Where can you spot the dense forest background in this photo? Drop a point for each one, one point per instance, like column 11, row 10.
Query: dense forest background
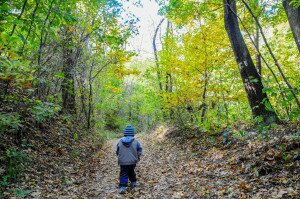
column 71, row 58
column 217, row 65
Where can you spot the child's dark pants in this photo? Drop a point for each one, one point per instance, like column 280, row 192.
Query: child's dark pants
column 127, row 171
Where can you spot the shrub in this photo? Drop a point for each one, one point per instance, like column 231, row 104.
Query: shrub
column 42, row 111
column 15, row 164
column 14, row 168
column 10, row 122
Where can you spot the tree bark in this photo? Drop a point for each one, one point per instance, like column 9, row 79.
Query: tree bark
column 257, row 56
column 264, row 60
column 82, row 89
column 251, row 79
column 155, row 55
column 272, row 54
column 90, row 112
column 204, row 106
column 293, row 15
column 90, row 97
column 169, row 83
column 67, row 86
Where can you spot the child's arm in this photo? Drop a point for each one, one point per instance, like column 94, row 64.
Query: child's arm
column 139, row 149
column 117, row 149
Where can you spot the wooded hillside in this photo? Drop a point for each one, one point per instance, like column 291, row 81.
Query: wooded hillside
column 69, row 80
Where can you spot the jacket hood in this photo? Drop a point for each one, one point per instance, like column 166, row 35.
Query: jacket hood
column 126, row 141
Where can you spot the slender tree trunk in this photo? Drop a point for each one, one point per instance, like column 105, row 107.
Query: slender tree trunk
column 206, row 78
column 90, row 112
column 169, row 83
column 251, row 79
column 226, row 108
column 30, row 27
column 90, row 97
column 19, row 17
column 264, row 60
column 168, row 71
column 43, row 38
column 272, row 54
column 293, row 15
column 82, row 96
column 204, row 105
column 68, row 88
column 156, row 56
column 257, row 56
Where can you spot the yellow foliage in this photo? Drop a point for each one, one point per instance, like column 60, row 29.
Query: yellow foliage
column 116, row 90
column 27, row 84
column 131, row 71
column 119, row 72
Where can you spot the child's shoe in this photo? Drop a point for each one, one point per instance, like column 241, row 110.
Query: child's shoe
column 122, row 190
column 133, row 184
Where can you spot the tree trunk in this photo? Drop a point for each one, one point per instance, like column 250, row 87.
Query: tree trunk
column 67, row 86
column 263, row 59
column 169, row 83
column 19, row 17
column 272, row 54
column 251, row 79
column 293, row 15
column 90, row 112
column 82, row 89
column 30, row 26
column 204, row 106
column 156, row 56
column 257, row 56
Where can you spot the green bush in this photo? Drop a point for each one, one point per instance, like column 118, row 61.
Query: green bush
column 10, row 122
column 108, row 135
column 4, row 181
column 75, row 153
column 22, row 193
column 42, row 111
column 16, row 161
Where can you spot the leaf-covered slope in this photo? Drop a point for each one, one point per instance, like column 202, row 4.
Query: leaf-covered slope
column 174, row 167
column 197, row 168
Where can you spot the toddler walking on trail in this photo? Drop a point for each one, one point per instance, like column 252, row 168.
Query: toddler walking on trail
column 128, row 151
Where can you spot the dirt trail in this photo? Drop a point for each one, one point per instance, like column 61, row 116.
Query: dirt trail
column 171, row 171
column 159, row 172
column 163, row 172
column 200, row 167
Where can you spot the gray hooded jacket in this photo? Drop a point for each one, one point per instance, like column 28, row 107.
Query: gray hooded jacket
column 128, row 151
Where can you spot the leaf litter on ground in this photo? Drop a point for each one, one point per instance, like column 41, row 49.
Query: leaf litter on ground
column 174, row 168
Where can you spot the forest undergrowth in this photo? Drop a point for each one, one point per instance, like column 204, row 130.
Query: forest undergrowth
column 175, row 164
column 224, row 75
column 45, row 159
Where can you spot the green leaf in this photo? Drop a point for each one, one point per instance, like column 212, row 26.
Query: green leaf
column 22, row 192
column 22, row 38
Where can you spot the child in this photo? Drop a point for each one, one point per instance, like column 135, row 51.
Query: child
column 128, row 151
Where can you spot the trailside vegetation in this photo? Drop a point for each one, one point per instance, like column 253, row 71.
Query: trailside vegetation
column 69, row 80
column 228, row 62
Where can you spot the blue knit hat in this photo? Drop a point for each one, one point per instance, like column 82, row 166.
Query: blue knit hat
column 129, row 131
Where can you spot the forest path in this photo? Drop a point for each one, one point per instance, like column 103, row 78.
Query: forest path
column 165, row 171
column 171, row 170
